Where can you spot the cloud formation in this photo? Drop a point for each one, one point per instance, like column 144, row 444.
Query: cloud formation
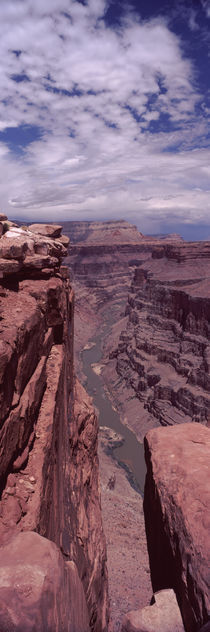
column 98, row 121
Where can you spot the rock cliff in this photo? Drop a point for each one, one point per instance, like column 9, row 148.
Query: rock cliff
column 48, row 439
column 154, row 296
column 176, row 505
column 163, row 353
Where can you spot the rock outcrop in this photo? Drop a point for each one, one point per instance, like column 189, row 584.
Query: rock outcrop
column 48, row 464
column 176, row 505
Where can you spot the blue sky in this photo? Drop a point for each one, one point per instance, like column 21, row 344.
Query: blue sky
column 105, row 110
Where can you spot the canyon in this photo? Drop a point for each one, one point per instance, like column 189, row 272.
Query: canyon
column 145, row 303
column 153, row 293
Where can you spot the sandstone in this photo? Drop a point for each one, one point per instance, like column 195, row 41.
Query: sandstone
column 22, row 338
column 47, row 246
column 9, row 266
column 38, row 590
column 84, row 473
column 17, row 428
column 2, row 217
column 14, row 246
column 48, row 465
column 49, row 230
column 176, row 504
column 37, row 262
column 163, row 616
column 64, row 240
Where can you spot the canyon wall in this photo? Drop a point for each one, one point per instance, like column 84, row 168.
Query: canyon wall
column 163, row 353
column 48, row 440
column 154, row 293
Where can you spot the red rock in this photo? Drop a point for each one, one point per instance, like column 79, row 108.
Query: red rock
column 16, row 247
column 47, row 246
column 38, row 590
column 9, row 266
column 37, row 262
column 56, row 493
column 84, row 474
column 22, row 337
column 49, row 230
column 17, row 428
column 176, row 504
column 64, row 240
column 163, row 616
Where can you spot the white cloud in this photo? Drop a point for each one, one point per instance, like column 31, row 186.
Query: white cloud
column 97, row 156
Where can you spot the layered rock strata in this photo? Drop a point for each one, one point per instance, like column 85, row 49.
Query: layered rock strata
column 156, row 355
column 48, row 464
column 176, row 505
column 163, row 353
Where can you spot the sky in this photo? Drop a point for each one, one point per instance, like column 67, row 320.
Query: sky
column 105, row 112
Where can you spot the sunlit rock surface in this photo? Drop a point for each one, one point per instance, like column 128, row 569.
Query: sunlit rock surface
column 176, row 505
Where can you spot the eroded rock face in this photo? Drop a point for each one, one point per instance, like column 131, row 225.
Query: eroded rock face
column 158, row 359
column 163, row 354
column 38, row 589
column 39, row 436
column 176, row 505
column 156, row 354
column 88, row 547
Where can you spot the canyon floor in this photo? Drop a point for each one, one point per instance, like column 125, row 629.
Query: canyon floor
column 123, row 522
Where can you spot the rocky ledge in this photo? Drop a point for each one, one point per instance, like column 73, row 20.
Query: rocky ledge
column 48, row 447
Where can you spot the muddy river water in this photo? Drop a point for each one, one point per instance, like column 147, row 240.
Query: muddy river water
column 130, row 454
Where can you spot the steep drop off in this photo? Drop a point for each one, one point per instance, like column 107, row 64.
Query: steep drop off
column 155, row 295
column 156, row 356
column 48, row 447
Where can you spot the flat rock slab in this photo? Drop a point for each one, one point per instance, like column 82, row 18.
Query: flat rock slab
column 163, row 616
column 49, row 230
column 176, row 505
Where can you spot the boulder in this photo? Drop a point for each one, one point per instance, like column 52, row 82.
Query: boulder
column 2, row 217
column 16, row 245
column 38, row 590
column 163, row 616
column 49, row 230
column 176, row 506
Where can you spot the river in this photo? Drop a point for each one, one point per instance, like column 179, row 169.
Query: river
column 130, row 454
